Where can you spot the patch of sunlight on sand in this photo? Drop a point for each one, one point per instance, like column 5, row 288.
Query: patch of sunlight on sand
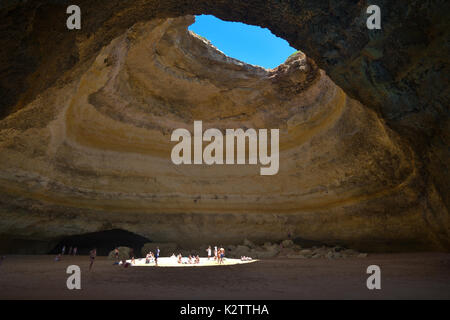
column 172, row 262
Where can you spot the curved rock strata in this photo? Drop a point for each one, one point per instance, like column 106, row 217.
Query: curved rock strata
column 94, row 153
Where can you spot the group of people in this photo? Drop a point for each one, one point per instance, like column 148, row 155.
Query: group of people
column 72, row 252
column 190, row 260
column 92, row 255
column 244, row 258
column 219, row 254
column 151, row 257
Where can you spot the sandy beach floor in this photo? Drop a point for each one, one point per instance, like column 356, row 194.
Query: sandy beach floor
column 403, row 276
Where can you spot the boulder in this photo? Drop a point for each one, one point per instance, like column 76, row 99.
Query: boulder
column 124, row 253
column 231, row 247
column 296, row 256
column 240, row 251
column 267, row 244
column 287, row 243
column 284, row 252
column 350, row 252
column 249, row 244
column 262, row 254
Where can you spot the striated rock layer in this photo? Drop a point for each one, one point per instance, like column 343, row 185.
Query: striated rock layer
column 92, row 153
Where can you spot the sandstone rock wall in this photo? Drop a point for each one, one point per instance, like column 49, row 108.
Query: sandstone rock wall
column 88, row 116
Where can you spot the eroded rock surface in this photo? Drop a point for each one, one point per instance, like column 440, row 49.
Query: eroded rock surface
column 94, row 153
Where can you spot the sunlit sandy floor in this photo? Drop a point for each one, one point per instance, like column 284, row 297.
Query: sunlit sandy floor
column 172, row 262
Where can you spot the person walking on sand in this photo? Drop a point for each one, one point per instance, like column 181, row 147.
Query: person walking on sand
column 209, row 252
column 92, row 256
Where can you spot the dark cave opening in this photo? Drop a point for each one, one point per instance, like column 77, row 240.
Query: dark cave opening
column 103, row 241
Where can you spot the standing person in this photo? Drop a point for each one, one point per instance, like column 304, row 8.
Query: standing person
column 222, row 255
column 63, row 250
column 157, row 255
column 92, row 256
column 116, row 254
column 215, row 253
column 75, row 251
column 209, row 252
column 131, row 255
column 70, row 251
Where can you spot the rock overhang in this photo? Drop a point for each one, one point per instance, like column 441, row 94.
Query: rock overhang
column 390, row 201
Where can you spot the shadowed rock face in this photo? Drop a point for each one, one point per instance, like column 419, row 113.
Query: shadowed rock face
column 91, row 151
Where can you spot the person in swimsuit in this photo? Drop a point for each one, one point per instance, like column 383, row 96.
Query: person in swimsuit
column 92, row 256
column 222, row 255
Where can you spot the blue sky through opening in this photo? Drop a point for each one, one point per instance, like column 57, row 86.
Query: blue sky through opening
column 250, row 44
